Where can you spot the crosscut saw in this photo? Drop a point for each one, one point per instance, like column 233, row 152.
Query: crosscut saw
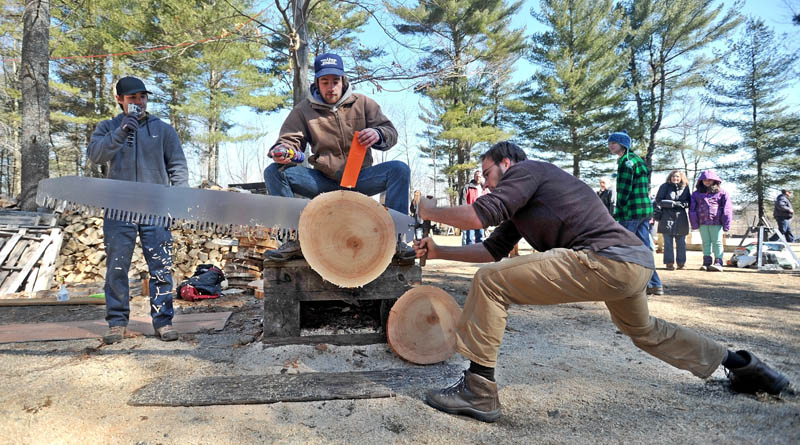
column 156, row 204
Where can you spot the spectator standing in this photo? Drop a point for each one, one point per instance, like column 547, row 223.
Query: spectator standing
column 673, row 200
column 634, row 209
column 606, row 195
column 711, row 212
column 138, row 147
column 783, row 214
column 412, row 209
column 469, row 194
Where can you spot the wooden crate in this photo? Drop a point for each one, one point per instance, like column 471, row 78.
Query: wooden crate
column 288, row 284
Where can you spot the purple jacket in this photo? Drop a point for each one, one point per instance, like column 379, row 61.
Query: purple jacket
column 710, row 209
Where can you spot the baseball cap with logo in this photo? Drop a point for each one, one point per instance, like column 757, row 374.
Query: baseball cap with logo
column 130, row 85
column 326, row 64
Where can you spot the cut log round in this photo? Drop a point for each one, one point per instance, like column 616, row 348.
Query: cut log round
column 422, row 325
column 346, row 237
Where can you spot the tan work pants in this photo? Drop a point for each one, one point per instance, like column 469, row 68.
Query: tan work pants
column 562, row 276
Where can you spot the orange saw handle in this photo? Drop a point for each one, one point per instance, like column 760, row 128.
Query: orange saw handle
column 354, row 161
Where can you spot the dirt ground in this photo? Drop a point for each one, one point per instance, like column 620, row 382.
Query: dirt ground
column 566, row 376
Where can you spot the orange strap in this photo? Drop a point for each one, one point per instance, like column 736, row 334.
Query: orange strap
column 354, row 161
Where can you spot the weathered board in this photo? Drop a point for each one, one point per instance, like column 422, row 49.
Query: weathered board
column 305, row 387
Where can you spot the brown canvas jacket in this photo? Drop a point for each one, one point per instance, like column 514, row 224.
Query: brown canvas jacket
column 329, row 130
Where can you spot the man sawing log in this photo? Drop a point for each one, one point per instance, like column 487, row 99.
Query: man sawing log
column 581, row 254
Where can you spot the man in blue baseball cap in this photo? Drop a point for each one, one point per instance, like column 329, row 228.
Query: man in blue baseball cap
column 327, row 121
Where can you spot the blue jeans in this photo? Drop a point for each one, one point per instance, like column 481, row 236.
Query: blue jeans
column 785, row 227
column 473, row 236
column 641, row 227
column 392, row 177
column 680, row 247
column 120, row 240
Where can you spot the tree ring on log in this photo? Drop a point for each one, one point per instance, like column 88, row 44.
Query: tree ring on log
column 422, row 325
column 347, row 237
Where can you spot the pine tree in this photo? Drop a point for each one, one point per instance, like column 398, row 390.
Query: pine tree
column 750, row 86
column 576, row 98
column 666, row 53
column 469, row 39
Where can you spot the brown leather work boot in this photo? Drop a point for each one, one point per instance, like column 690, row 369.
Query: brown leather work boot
column 472, row 396
column 289, row 250
column 756, row 376
column 114, row 334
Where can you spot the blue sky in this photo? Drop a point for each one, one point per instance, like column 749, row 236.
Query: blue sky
column 244, row 162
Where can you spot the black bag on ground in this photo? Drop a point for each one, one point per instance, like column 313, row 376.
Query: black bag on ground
column 205, row 281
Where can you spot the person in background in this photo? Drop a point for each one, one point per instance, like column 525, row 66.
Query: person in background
column 606, row 195
column 711, row 212
column 138, row 147
column 471, row 191
column 634, row 209
column 673, row 200
column 783, row 213
column 412, row 209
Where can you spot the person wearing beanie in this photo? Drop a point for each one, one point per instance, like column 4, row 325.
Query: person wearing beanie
column 711, row 212
column 575, row 258
column 137, row 146
column 783, row 213
column 326, row 121
column 634, row 207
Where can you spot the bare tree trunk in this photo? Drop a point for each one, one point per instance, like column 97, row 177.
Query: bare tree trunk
column 300, row 45
column 34, row 77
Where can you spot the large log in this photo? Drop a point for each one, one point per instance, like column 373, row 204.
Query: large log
column 422, row 325
column 347, row 237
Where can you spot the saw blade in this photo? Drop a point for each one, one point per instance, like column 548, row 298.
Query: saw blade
column 156, row 204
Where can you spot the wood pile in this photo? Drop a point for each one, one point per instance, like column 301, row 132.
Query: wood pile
column 245, row 263
column 29, row 245
column 27, row 258
column 82, row 256
column 35, row 257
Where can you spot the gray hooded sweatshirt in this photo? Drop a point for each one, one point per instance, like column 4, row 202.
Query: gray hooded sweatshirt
column 153, row 154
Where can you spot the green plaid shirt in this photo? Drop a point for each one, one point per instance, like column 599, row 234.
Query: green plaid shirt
column 633, row 188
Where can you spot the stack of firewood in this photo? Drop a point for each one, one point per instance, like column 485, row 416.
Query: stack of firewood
column 82, row 257
column 243, row 264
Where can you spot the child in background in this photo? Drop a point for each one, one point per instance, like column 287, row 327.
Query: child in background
column 711, row 212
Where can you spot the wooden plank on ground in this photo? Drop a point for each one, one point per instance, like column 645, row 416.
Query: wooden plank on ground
column 76, row 330
column 9, row 245
column 31, row 279
column 17, row 257
column 30, row 261
column 305, row 387
column 49, row 301
column 48, row 263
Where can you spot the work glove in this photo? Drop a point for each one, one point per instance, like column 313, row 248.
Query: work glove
column 129, row 123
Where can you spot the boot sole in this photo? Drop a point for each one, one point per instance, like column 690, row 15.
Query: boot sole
column 774, row 389
column 484, row 416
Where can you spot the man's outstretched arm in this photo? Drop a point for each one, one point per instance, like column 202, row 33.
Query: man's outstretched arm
column 463, row 217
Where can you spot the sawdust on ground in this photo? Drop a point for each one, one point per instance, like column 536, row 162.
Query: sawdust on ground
column 566, row 376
